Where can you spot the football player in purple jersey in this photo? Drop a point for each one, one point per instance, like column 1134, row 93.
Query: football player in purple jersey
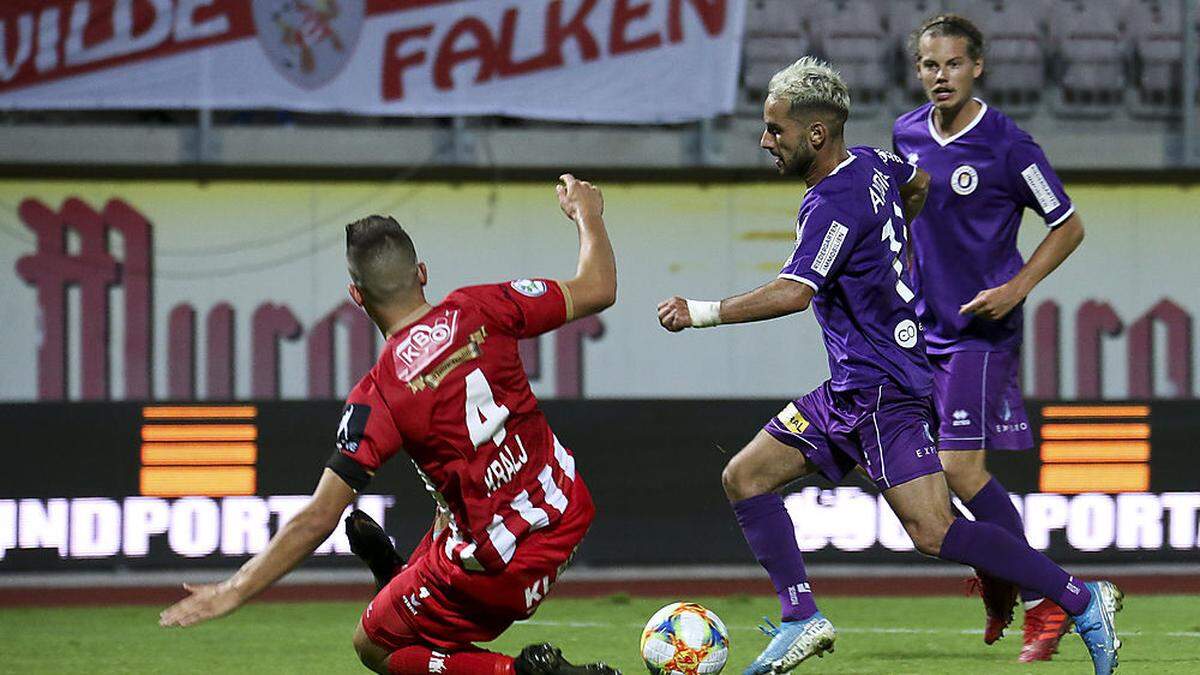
column 876, row 409
column 972, row 281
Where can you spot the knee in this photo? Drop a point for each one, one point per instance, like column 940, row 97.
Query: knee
column 928, row 532
column 738, row 480
column 965, row 478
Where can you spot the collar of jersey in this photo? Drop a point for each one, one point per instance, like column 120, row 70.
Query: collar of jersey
column 844, row 163
column 947, row 141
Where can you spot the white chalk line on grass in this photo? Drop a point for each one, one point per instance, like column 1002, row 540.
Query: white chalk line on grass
column 872, row 630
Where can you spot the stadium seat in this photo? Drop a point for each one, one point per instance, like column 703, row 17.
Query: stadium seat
column 904, row 17
column 1154, row 30
column 1090, row 68
column 851, row 35
column 775, row 37
column 1015, row 70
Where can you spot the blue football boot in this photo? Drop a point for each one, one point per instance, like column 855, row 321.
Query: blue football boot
column 792, row 643
column 1095, row 625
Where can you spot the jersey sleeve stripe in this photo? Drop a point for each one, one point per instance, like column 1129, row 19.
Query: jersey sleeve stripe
column 1061, row 218
column 795, row 277
column 568, row 299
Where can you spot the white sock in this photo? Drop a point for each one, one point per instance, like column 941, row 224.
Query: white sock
column 1033, row 603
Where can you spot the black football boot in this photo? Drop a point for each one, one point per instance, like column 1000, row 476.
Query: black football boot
column 547, row 659
column 370, row 543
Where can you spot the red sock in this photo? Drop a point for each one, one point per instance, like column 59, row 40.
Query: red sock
column 419, row 660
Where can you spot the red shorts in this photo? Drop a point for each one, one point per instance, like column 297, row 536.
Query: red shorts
column 434, row 601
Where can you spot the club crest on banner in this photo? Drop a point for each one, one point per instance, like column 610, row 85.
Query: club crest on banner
column 308, row 41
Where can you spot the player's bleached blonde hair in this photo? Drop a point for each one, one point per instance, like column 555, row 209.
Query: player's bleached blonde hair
column 812, row 84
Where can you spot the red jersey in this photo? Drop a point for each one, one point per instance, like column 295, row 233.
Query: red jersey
column 450, row 391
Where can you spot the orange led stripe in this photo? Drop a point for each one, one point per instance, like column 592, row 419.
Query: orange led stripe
column 208, row 481
column 1097, row 411
column 1078, row 478
column 199, row 453
column 1095, row 451
column 199, row 412
column 199, row 432
column 1132, row 431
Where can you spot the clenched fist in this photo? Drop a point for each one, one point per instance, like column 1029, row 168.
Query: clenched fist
column 579, row 199
column 673, row 314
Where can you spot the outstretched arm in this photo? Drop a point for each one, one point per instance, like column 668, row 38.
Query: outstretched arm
column 291, row 545
column 594, row 287
column 994, row 304
column 776, row 298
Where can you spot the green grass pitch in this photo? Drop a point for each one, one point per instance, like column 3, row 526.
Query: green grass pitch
column 1161, row 634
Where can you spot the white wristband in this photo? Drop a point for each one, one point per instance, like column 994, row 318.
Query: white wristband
column 704, row 313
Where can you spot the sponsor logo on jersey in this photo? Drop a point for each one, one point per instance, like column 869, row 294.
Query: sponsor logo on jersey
column 1040, row 188
column 529, row 287
column 830, row 247
column 906, row 333
column 308, row 41
column 792, row 420
column 913, row 157
column 961, row 418
column 424, row 343
column 352, row 427
column 964, row 180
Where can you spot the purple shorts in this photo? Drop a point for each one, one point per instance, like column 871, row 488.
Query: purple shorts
column 882, row 429
column 978, row 399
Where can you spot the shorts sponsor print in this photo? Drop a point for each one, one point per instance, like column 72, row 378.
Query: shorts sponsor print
column 978, row 400
column 433, row 601
column 883, row 429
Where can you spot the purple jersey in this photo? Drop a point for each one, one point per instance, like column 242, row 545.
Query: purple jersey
column 965, row 239
column 850, row 238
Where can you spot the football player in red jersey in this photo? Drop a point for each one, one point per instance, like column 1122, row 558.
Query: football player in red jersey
column 450, row 392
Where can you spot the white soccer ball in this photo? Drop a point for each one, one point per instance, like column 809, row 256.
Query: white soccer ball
column 684, row 638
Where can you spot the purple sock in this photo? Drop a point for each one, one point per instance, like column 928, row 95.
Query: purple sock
column 772, row 538
column 992, row 549
column 992, row 505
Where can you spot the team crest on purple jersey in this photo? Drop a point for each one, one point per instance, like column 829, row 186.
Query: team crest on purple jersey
column 964, row 180
column 309, row 41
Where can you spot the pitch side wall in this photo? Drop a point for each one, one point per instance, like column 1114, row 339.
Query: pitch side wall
column 178, row 290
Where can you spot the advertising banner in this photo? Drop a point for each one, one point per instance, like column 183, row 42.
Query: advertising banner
column 118, row 485
column 609, row 61
column 236, row 290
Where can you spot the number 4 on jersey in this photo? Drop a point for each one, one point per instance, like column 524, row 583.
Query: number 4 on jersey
column 485, row 419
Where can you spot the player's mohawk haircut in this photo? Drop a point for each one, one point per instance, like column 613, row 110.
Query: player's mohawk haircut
column 375, row 233
column 381, row 257
column 812, row 84
column 948, row 25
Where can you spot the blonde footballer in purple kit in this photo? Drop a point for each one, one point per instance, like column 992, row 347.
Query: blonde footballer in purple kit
column 876, row 410
column 972, row 281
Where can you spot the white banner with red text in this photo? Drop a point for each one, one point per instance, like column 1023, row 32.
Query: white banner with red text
column 615, row 61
